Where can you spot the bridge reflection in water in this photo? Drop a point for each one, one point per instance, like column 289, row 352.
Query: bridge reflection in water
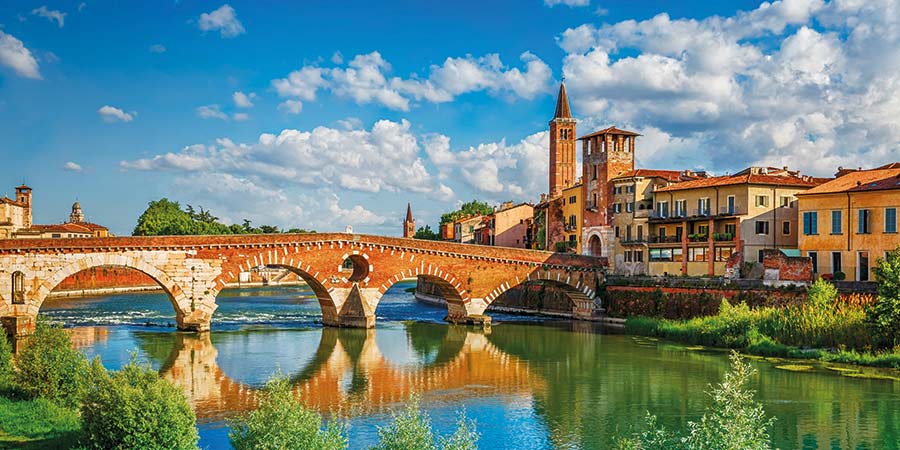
column 349, row 373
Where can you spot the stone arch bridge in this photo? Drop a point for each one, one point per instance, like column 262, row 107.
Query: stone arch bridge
column 348, row 272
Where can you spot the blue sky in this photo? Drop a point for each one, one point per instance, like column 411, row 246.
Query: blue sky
column 322, row 114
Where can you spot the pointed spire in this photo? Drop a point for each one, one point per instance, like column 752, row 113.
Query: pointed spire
column 409, row 217
column 562, row 103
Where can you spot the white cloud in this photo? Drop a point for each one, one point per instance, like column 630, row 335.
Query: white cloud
column 211, row 112
column 72, row 167
column 569, row 3
column 224, row 20
column 385, row 158
column 240, row 117
column 242, row 100
column 81, row 6
column 366, row 79
column 14, row 55
column 803, row 83
column 112, row 114
column 337, row 58
column 157, row 48
column 50, row 14
column 291, row 106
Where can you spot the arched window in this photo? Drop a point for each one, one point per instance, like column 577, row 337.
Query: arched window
column 18, row 287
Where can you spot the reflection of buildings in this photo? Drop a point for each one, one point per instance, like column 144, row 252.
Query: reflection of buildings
column 83, row 337
column 350, row 373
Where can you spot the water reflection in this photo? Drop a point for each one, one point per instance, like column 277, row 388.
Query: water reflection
column 347, row 372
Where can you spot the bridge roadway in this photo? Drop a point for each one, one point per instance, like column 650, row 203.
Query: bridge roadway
column 348, row 272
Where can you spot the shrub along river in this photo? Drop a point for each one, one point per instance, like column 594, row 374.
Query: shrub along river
column 528, row 383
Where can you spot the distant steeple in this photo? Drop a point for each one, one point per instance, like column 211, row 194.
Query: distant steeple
column 562, row 103
column 409, row 225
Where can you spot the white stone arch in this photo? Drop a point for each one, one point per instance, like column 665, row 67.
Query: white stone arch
column 588, row 248
column 174, row 292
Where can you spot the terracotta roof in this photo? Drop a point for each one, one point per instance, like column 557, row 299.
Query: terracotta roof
column 83, row 227
column 745, row 177
column 23, row 186
column 562, row 104
column 610, row 130
column 670, row 175
column 862, row 180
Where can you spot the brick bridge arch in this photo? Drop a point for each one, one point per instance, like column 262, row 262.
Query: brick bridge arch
column 194, row 269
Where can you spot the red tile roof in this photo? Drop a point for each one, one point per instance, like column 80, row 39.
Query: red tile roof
column 670, row 175
column 747, row 177
column 84, row 227
column 880, row 179
column 610, row 130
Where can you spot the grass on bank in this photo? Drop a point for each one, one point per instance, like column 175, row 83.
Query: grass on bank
column 37, row 424
column 821, row 328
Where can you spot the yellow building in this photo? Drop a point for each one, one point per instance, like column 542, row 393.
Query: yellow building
column 849, row 223
column 16, row 221
column 632, row 204
column 571, row 212
column 697, row 225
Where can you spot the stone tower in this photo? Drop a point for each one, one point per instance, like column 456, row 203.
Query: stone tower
column 606, row 154
column 76, row 216
column 23, row 196
column 562, row 146
column 409, row 225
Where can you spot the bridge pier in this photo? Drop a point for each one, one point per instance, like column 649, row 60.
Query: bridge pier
column 354, row 307
column 195, row 315
column 18, row 325
column 470, row 312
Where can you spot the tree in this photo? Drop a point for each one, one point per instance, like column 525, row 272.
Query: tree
column 735, row 421
column 425, row 233
column 51, row 368
column 473, row 208
column 7, row 371
column 164, row 217
column 411, row 430
column 883, row 315
column 281, row 422
column 135, row 408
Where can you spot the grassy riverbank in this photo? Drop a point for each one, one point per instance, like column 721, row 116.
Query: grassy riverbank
column 819, row 329
column 37, row 424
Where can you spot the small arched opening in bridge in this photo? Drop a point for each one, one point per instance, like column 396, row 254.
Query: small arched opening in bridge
column 543, row 296
column 18, row 288
column 355, row 268
column 130, row 292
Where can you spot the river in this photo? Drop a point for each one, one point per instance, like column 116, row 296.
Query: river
column 527, row 383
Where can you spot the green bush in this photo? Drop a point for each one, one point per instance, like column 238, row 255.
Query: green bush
column 883, row 316
column 411, row 430
column 50, row 368
column 281, row 422
column 135, row 408
column 734, row 421
column 7, row 370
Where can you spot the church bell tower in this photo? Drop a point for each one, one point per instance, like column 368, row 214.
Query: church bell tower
column 562, row 146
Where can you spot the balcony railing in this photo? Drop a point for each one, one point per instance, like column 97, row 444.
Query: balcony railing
column 665, row 239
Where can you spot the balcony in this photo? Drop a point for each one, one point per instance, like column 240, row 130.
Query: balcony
column 665, row 239
column 569, row 227
column 638, row 241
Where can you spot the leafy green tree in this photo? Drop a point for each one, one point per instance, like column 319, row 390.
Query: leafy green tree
column 7, row 370
column 822, row 294
column 425, row 233
column 51, row 368
column 299, row 231
column 135, row 408
column 735, row 421
column 164, row 217
column 883, row 315
column 473, row 208
column 411, row 430
column 282, row 422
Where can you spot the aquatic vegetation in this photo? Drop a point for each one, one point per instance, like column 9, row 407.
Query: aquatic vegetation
column 411, row 430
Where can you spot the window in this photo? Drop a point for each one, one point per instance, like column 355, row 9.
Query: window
column 640, row 231
column 730, row 206
column 762, row 201
column 697, row 254
column 628, row 257
column 836, row 262
column 629, row 207
column 890, row 220
column 617, row 231
column 703, row 207
column 810, row 223
column 730, row 229
column 759, row 256
column 617, row 208
column 680, row 208
column 815, row 261
column 723, row 253
column 662, row 232
column 863, row 221
column 594, row 176
column 629, row 189
column 677, row 255
column 18, row 287
column 661, row 254
column 862, row 263
column 572, row 221
column 55, row 235
column 572, row 200
column 662, row 209
column 679, row 231
column 786, row 228
column 573, row 239
column 628, row 233
column 785, row 201
column 762, row 227
column 639, row 256
column 837, row 222
column 703, row 230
